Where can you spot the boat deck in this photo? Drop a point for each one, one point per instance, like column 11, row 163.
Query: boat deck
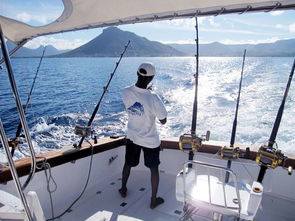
column 104, row 202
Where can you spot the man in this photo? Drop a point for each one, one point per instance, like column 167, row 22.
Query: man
column 143, row 107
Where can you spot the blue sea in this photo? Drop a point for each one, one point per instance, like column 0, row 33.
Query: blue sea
column 67, row 90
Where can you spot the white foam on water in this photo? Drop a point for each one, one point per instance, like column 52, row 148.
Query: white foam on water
column 261, row 95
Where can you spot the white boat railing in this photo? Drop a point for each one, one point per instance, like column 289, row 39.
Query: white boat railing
column 14, row 174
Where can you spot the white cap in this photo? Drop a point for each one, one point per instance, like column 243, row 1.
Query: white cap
column 146, row 69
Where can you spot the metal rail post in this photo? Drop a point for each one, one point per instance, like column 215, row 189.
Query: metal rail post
column 19, row 107
column 14, row 172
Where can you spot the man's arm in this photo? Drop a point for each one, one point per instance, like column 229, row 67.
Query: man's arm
column 163, row 121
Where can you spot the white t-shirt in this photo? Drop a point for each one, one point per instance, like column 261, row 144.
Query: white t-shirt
column 143, row 106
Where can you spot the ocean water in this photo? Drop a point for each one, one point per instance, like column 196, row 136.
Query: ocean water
column 67, row 90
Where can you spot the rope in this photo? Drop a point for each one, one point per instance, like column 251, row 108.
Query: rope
column 49, row 177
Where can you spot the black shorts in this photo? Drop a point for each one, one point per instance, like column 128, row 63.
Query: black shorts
column 132, row 156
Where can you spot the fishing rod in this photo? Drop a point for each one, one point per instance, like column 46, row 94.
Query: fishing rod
column 190, row 141
column 232, row 153
column 195, row 107
column 85, row 131
column 233, row 133
column 268, row 156
column 13, row 143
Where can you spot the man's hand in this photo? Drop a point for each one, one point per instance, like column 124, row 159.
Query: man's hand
column 163, row 121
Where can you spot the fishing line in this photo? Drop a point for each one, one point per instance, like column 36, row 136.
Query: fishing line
column 82, row 139
column 105, row 89
column 85, row 186
column 131, row 50
column 243, row 164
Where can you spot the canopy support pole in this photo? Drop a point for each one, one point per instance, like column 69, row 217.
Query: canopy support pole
column 18, row 46
column 19, row 108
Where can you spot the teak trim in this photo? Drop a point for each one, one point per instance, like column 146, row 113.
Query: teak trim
column 68, row 154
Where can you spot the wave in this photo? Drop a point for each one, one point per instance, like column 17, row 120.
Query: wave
column 61, row 104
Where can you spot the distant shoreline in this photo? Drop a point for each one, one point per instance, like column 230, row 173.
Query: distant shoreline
column 154, row 57
column 110, row 44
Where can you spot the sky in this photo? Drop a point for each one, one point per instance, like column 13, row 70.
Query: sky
column 251, row 28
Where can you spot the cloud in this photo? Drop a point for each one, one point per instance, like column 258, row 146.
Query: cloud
column 183, row 24
column 212, row 22
column 279, row 26
column 178, row 42
column 292, row 28
column 261, row 41
column 60, row 44
column 37, row 18
column 276, row 13
column 180, row 23
column 236, row 31
column 213, row 26
column 227, row 41
column 24, row 17
column 249, row 23
column 42, row 19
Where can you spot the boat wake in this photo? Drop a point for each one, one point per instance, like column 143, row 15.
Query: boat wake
column 57, row 113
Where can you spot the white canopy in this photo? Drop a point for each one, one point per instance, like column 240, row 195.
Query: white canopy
column 85, row 14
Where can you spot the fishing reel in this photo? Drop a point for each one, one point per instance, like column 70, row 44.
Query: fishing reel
column 13, row 142
column 82, row 131
column 191, row 141
column 269, row 157
column 230, row 153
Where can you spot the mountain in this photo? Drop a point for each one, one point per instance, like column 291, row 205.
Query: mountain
column 281, row 48
column 111, row 44
column 27, row 52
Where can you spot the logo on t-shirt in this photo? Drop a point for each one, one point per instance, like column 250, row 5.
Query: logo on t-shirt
column 136, row 109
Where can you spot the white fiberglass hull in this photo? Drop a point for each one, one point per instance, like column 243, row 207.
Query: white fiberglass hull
column 101, row 198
